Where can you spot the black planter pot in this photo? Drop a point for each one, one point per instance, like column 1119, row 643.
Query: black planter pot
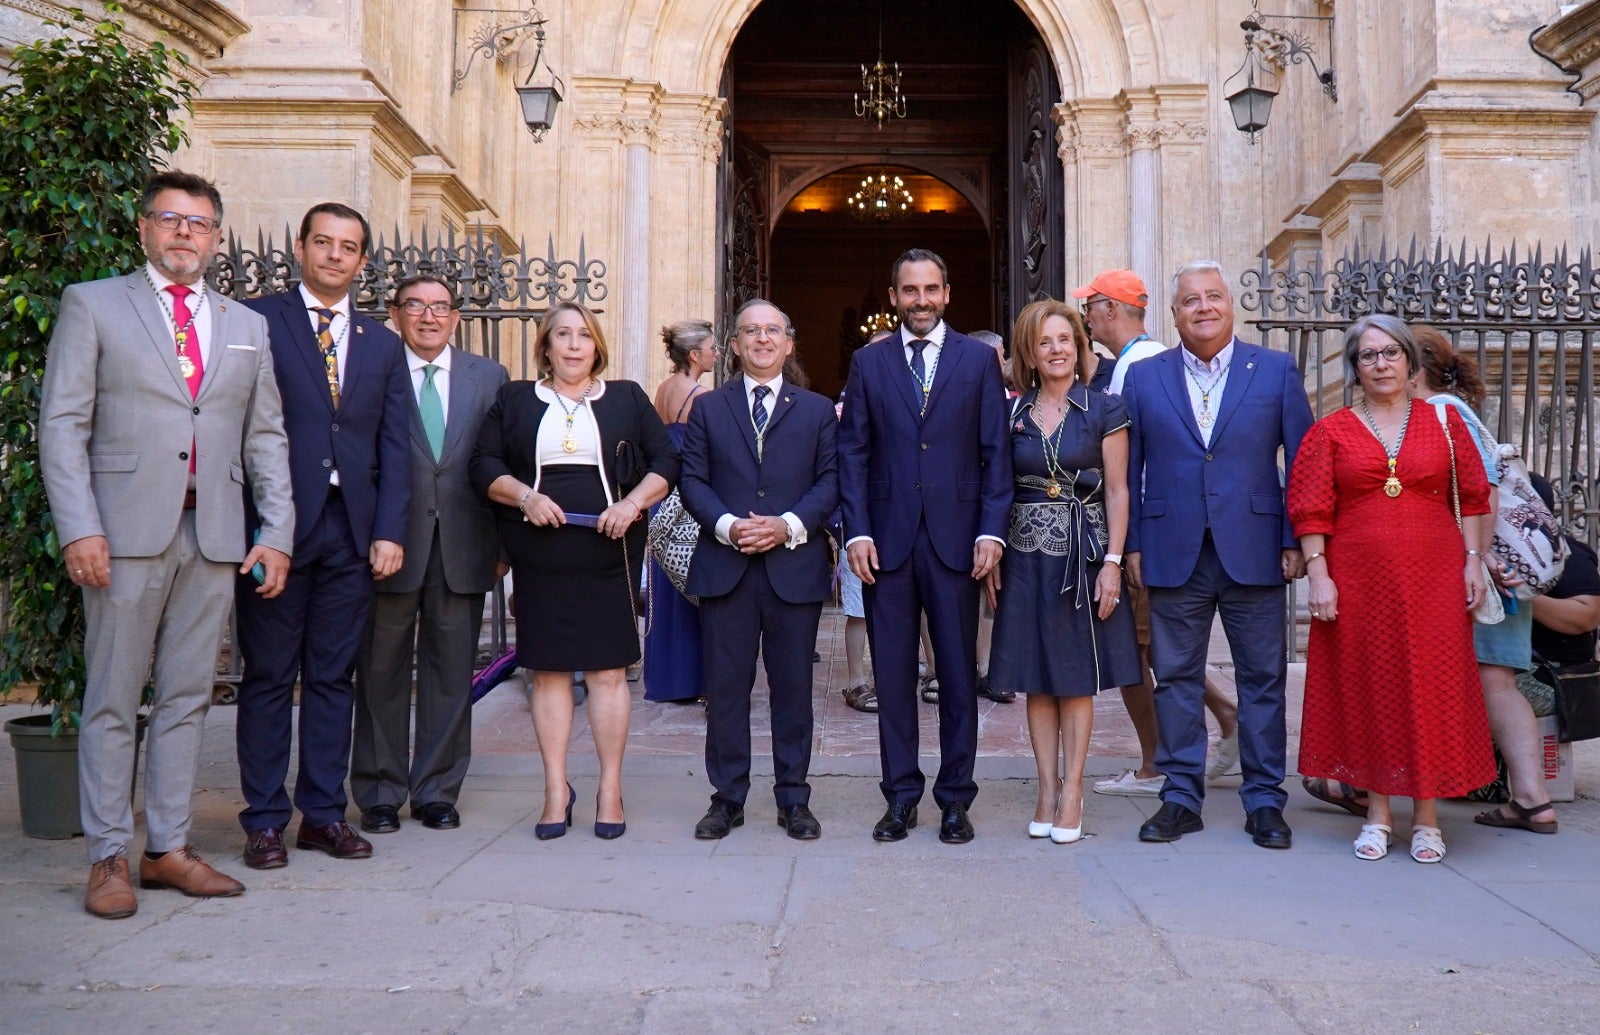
column 47, row 775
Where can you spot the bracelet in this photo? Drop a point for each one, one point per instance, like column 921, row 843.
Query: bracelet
column 636, row 508
column 1473, row 553
column 1314, row 556
column 523, row 502
column 1114, row 558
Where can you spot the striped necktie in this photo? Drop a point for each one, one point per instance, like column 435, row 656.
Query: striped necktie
column 330, row 359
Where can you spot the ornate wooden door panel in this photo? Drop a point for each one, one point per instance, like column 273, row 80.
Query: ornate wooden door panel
column 1036, row 224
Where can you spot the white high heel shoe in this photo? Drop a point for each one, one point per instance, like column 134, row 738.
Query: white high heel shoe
column 1039, row 829
column 1066, row 835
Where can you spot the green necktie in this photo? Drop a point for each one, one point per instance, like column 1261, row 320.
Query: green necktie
column 432, row 408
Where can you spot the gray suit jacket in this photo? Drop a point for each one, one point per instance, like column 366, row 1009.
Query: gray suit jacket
column 441, row 494
column 116, row 425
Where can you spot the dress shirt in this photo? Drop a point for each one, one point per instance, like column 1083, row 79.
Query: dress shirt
column 441, row 377
column 198, row 305
column 1194, row 367
column 797, row 529
column 339, row 327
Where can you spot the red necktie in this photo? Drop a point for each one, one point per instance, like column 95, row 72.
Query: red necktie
column 188, row 341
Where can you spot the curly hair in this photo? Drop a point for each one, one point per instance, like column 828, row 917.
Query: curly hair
column 1446, row 370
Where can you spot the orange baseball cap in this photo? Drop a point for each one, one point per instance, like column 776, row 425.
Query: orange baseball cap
column 1122, row 285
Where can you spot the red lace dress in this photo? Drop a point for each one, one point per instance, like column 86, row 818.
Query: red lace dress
column 1393, row 702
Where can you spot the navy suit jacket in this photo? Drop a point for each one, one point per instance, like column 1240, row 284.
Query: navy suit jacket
column 797, row 471
column 367, row 438
column 1233, row 486
column 949, row 468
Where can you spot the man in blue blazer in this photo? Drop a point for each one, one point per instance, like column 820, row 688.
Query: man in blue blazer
column 1209, row 534
column 925, row 478
column 346, row 407
column 760, row 474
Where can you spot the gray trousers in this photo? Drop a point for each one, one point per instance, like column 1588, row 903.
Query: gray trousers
column 440, row 630
column 176, row 605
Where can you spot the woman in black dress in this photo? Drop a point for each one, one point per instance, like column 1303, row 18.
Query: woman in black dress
column 1061, row 633
column 575, row 461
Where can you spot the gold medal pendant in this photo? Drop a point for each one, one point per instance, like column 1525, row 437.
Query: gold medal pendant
column 1053, row 489
column 570, row 445
column 1204, row 420
column 1391, row 488
column 186, row 367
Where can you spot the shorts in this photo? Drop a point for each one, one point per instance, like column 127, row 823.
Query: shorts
column 1508, row 643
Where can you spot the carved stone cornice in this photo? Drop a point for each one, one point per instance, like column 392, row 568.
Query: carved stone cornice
column 202, row 27
column 1572, row 44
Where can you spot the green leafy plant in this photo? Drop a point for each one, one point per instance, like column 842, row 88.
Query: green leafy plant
column 87, row 116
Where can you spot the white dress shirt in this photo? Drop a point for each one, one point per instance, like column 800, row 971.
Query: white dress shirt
column 797, row 528
column 441, row 377
column 197, row 306
column 1213, row 376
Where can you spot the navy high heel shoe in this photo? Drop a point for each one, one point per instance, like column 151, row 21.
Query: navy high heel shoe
column 551, row 831
column 608, row 831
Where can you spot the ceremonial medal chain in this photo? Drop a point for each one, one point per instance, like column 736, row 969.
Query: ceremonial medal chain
column 569, row 443
column 180, row 334
column 1391, row 487
column 1051, row 446
column 1205, row 417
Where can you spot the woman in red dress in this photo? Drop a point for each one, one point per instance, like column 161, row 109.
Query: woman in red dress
column 1393, row 702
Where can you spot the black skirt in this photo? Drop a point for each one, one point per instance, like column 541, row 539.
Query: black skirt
column 574, row 589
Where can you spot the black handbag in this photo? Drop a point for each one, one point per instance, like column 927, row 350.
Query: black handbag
column 629, row 469
column 1577, row 687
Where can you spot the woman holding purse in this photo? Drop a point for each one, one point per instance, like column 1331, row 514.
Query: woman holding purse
column 1393, row 702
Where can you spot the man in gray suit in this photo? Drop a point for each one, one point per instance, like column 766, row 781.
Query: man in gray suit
column 159, row 401
column 435, row 600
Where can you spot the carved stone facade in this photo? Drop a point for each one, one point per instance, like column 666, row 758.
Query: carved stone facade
column 1448, row 124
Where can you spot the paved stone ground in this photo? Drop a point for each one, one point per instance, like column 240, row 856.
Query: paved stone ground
column 484, row 929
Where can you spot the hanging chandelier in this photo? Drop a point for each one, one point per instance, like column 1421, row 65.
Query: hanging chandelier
column 879, row 321
column 881, row 197
column 880, row 96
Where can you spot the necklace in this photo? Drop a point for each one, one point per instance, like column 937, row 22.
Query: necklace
column 569, row 441
column 180, row 332
column 1050, row 444
column 1205, row 417
column 1391, row 487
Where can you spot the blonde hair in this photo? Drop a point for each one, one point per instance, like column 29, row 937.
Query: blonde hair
column 541, row 344
column 1023, row 370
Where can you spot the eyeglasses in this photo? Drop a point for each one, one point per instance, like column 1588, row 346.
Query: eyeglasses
column 772, row 330
column 416, row 307
column 1369, row 357
column 202, row 225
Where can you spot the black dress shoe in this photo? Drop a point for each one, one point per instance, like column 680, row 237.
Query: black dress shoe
column 998, row 696
column 380, row 819
column 337, row 839
column 799, row 822
column 437, row 815
column 896, row 822
column 1171, row 822
column 719, row 820
column 1267, row 828
column 954, row 826
column 263, row 849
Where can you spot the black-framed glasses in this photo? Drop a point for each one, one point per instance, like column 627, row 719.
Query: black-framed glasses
column 416, row 307
column 202, row 225
column 1369, row 357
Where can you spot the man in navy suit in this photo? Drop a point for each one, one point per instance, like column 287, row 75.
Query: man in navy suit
column 346, row 407
column 760, row 474
column 925, row 478
column 1210, row 534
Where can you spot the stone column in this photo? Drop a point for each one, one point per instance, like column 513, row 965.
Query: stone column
column 1144, row 196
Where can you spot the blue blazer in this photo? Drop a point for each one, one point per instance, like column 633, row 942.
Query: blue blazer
column 367, row 438
column 797, row 471
column 1233, row 487
column 949, row 468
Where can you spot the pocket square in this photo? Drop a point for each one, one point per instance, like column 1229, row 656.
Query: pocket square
column 243, row 348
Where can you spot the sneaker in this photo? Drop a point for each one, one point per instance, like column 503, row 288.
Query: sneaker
column 1132, row 785
column 1225, row 759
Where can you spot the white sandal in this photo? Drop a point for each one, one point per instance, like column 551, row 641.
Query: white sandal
column 1373, row 843
column 1427, row 839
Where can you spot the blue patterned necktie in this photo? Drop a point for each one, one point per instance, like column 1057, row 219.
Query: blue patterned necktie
column 919, row 369
column 758, row 409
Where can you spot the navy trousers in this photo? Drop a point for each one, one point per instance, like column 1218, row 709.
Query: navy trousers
column 310, row 632
column 733, row 627
column 1180, row 632
column 895, row 605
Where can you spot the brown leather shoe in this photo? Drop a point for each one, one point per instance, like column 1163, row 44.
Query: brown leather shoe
column 264, row 849
column 110, row 893
column 337, row 839
column 183, row 870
